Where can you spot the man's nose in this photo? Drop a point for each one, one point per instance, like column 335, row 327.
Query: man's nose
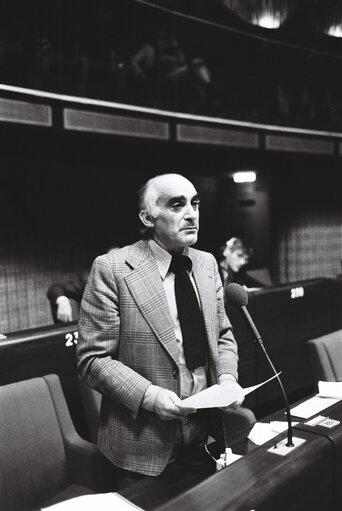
column 191, row 212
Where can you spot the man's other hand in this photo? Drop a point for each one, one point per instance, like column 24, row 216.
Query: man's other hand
column 232, row 385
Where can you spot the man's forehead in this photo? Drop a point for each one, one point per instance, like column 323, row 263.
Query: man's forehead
column 175, row 187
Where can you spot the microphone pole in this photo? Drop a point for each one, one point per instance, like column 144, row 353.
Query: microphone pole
column 259, row 340
column 237, row 297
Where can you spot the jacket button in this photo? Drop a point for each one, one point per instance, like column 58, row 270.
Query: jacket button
column 175, row 372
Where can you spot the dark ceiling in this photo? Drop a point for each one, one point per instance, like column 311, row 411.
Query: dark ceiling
column 301, row 22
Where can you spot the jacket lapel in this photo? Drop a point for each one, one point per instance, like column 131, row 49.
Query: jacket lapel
column 146, row 288
column 205, row 284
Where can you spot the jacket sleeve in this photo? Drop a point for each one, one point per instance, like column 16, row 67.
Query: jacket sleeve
column 99, row 338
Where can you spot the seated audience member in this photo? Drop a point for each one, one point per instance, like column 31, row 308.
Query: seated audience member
column 233, row 261
column 182, row 79
column 141, row 74
column 60, row 294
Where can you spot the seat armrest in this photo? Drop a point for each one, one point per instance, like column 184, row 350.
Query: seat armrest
column 88, row 466
column 237, row 421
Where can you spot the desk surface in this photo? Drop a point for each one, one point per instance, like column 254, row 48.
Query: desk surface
column 302, row 480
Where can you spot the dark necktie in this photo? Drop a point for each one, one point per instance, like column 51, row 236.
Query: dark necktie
column 189, row 314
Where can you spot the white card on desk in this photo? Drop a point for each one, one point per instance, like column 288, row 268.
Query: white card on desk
column 312, row 406
column 330, row 389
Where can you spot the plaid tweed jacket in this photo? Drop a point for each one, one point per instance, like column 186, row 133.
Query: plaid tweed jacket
column 127, row 341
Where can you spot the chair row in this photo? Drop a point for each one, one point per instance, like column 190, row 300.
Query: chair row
column 43, row 459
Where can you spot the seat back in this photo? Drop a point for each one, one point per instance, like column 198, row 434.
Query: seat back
column 33, row 465
column 235, row 421
column 261, row 276
column 91, row 401
column 326, row 356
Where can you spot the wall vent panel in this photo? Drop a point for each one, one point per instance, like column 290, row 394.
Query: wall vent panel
column 23, row 112
column 299, row 145
column 217, row 136
column 81, row 120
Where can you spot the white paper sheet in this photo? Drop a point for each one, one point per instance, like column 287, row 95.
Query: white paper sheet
column 280, row 426
column 312, row 406
column 100, row 501
column 263, row 432
column 218, row 396
column 330, row 389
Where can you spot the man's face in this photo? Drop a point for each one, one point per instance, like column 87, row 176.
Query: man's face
column 177, row 222
column 235, row 259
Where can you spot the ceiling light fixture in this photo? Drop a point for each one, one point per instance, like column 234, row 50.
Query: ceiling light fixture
column 335, row 31
column 244, row 177
column 268, row 19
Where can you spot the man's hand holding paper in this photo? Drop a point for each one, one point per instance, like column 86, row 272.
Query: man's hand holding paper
column 232, row 388
column 226, row 395
column 216, row 396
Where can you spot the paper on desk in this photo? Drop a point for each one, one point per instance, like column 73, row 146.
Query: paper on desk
column 280, row 426
column 102, row 501
column 330, row 389
column 263, row 432
column 312, row 406
column 217, row 396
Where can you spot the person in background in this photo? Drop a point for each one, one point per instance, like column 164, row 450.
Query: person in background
column 234, row 258
column 134, row 335
column 65, row 297
column 60, row 294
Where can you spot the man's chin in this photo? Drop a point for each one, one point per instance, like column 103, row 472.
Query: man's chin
column 190, row 238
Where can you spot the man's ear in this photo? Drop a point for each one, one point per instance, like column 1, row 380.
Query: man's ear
column 146, row 218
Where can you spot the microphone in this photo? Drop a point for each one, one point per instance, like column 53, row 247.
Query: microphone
column 237, row 297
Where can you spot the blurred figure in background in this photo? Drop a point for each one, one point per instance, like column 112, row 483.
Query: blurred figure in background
column 234, row 257
column 233, row 261
column 65, row 297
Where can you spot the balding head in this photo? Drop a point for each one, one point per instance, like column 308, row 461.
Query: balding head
column 168, row 206
column 149, row 193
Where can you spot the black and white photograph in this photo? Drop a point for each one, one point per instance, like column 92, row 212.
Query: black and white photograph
column 153, row 150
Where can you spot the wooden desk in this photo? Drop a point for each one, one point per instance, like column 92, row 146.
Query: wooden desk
column 334, row 435
column 303, row 480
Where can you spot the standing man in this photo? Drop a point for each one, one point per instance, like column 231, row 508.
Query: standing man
column 145, row 343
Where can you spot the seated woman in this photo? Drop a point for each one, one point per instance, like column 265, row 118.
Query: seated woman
column 234, row 258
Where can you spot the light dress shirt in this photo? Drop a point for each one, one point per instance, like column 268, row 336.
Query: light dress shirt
column 191, row 382
column 194, row 381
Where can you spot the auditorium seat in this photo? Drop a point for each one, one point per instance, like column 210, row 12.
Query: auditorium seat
column 236, row 421
column 326, row 356
column 261, row 276
column 42, row 459
column 91, row 402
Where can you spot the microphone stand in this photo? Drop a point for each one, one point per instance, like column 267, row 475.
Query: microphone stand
column 261, row 344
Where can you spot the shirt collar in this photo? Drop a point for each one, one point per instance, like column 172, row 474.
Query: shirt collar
column 162, row 257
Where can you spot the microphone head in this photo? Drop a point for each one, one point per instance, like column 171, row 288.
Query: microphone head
column 236, row 295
